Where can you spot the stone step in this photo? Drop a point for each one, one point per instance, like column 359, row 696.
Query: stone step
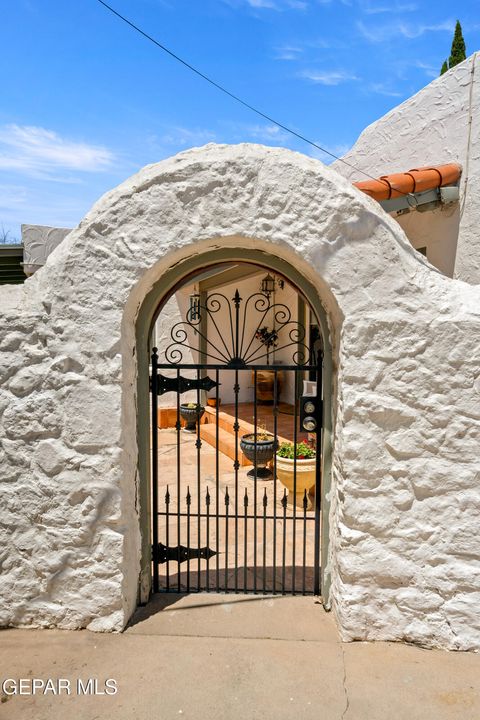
column 226, row 441
column 226, row 422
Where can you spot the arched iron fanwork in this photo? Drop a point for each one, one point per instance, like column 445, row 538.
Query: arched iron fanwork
column 230, row 343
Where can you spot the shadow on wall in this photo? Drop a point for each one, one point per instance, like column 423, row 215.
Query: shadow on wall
column 437, row 231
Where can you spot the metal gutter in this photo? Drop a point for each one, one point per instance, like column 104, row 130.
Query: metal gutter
column 422, row 201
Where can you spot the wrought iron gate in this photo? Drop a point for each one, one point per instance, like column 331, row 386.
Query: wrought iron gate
column 221, row 524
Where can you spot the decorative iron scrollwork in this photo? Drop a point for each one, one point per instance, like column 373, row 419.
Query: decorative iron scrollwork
column 234, row 344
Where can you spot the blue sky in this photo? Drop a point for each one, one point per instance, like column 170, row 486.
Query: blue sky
column 86, row 101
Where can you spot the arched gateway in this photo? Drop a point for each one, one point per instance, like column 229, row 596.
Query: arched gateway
column 240, row 356
column 400, row 467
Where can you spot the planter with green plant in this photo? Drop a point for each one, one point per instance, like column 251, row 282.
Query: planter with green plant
column 296, row 465
column 259, row 448
column 191, row 413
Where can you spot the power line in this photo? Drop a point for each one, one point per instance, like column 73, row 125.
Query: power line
column 233, row 96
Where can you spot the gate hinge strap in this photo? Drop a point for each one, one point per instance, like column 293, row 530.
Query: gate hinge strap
column 181, row 384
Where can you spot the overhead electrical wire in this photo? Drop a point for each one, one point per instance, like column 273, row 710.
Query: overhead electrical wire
column 236, row 97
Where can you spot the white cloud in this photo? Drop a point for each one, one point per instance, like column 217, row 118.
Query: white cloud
column 371, row 9
column 38, row 152
column 12, row 196
column 328, row 77
column 268, row 133
column 297, row 4
column 183, row 137
column 263, row 4
column 279, row 5
column 384, row 33
column 338, row 150
column 430, row 70
column 288, row 52
column 384, row 89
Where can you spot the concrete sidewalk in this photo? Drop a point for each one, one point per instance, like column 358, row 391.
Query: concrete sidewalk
column 235, row 657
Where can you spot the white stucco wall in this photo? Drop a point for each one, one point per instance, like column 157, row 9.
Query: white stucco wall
column 439, row 124
column 405, row 500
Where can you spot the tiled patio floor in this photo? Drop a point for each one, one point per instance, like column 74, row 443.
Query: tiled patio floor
column 266, row 420
column 264, row 551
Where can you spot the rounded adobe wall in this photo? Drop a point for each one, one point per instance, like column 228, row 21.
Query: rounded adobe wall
column 406, row 390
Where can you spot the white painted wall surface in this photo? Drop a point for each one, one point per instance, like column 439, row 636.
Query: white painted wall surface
column 439, row 124
column 404, row 548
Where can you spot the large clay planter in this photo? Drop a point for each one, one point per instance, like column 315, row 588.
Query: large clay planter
column 259, row 457
column 191, row 415
column 305, row 480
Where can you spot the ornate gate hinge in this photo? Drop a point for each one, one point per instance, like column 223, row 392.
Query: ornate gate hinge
column 180, row 553
column 181, row 384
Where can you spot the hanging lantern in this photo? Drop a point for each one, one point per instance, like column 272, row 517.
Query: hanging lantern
column 268, row 285
column 194, row 306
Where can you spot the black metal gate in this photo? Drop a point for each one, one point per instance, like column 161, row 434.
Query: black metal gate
column 222, row 519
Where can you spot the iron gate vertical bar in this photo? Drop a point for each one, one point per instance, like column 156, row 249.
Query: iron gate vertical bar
column 245, row 542
column 217, row 487
column 154, row 389
column 178, row 427
column 189, row 502
column 295, row 441
column 236, row 466
column 255, row 400
column 284, row 538
column 237, row 300
column 264, row 554
column 227, row 504
column 198, row 445
column 304, row 558
column 207, row 503
column 275, row 434
column 318, row 470
column 167, row 524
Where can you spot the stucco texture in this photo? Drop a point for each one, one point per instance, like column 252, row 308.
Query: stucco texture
column 405, row 499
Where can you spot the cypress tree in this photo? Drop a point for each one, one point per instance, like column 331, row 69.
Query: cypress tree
column 444, row 68
column 458, row 51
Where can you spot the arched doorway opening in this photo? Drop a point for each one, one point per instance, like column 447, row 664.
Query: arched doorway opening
column 242, row 345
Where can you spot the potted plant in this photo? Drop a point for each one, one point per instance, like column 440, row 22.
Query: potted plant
column 303, row 457
column 268, row 339
column 259, row 448
column 191, row 413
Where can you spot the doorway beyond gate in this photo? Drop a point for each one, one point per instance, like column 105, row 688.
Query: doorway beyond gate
column 236, row 438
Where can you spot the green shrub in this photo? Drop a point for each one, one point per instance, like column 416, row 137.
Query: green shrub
column 302, row 451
